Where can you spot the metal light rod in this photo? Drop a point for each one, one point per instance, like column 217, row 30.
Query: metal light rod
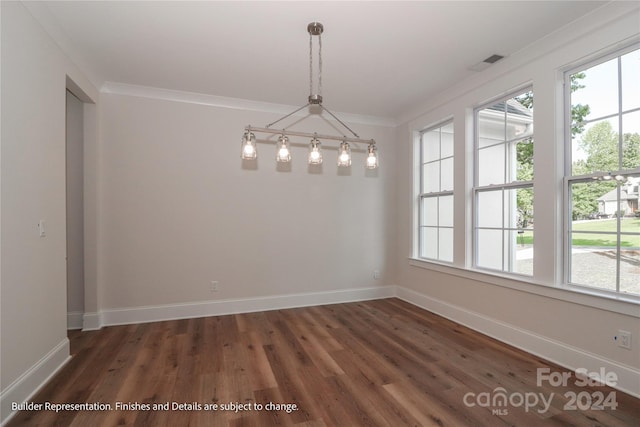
column 308, row 135
column 288, row 115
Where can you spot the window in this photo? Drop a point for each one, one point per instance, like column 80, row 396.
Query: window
column 436, row 193
column 503, row 185
column 603, row 173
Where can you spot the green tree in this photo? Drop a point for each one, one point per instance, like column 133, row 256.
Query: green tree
column 578, row 111
column 630, row 151
column 601, row 146
column 584, row 197
column 524, row 149
column 524, row 172
column 524, row 202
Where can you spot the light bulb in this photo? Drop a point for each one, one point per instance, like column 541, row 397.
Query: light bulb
column 371, row 162
column 284, row 154
column 315, row 153
column 344, row 158
column 372, row 157
column 249, row 151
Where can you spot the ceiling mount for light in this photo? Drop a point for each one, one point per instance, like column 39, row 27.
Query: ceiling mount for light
column 315, row 28
column 283, row 154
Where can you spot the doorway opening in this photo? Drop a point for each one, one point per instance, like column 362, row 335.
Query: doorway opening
column 75, row 210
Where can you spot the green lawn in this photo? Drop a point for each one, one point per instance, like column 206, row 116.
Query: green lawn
column 584, row 237
column 588, row 239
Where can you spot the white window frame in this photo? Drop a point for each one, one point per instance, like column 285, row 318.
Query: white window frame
column 422, row 195
column 569, row 179
column 477, row 189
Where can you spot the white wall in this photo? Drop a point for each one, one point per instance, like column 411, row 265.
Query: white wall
column 33, row 282
column 571, row 329
column 168, row 207
column 180, row 209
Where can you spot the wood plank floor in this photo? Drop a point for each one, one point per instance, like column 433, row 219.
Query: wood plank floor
column 374, row 363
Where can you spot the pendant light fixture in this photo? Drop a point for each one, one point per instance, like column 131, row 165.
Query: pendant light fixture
column 283, row 151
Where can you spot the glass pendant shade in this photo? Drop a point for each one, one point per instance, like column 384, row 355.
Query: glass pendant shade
column 315, row 152
column 249, row 151
column 283, row 154
column 344, row 155
column 372, row 157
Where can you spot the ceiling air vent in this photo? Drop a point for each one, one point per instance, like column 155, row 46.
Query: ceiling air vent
column 486, row 62
column 493, row 59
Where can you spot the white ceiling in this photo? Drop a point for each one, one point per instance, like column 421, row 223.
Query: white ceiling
column 379, row 58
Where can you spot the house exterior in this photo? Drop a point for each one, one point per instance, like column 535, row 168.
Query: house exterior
column 628, row 202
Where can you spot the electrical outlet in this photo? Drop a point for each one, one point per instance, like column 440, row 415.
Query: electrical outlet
column 376, row 274
column 214, row 286
column 624, row 339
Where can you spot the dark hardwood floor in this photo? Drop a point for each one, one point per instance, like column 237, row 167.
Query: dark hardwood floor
column 379, row 363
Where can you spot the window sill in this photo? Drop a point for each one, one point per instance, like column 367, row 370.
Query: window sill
column 622, row 304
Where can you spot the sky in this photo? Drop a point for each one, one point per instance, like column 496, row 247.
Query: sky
column 602, row 95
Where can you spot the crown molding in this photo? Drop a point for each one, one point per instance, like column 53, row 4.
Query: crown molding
column 228, row 102
column 42, row 15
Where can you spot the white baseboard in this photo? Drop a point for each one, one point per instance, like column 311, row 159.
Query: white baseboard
column 74, row 320
column 28, row 384
column 628, row 378
column 235, row 306
column 91, row 321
